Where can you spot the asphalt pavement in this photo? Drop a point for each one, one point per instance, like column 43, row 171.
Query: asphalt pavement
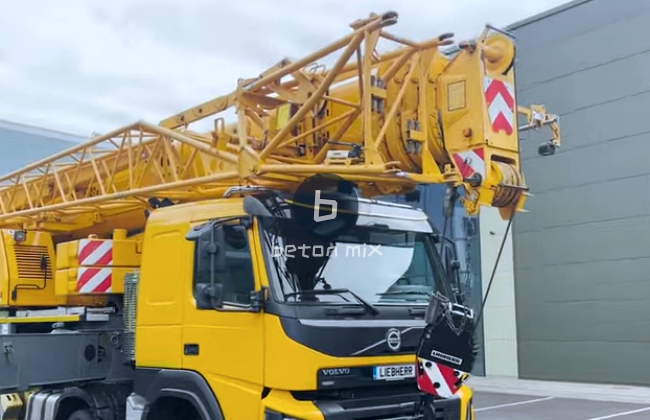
column 494, row 406
column 507, row 398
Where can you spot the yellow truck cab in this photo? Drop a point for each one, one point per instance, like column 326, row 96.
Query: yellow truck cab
column 227, row 317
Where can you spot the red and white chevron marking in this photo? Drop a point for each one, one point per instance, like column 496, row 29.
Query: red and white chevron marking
column 438, row 379
column 95, row 252
column 94, row 280
column 470, row 161
column 500, row 100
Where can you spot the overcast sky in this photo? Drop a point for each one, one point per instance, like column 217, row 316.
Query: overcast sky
column 81, row 66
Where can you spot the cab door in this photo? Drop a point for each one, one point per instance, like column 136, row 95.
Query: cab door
column 222, row 332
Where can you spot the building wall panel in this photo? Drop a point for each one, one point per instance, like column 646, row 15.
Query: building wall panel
column 582, row 254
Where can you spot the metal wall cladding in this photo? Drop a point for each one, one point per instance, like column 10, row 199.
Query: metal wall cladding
column 582, row 254
column 21, row 145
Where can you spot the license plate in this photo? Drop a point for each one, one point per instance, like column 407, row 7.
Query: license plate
column 393, row 372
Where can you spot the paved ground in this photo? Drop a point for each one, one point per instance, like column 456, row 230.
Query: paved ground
column 506, row 398
column 494, row 406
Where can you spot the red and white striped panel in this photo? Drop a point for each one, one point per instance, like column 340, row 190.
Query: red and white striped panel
column 95, row 252
column 438, row 379
column 470, row 161
column 500, row 100
column 94, row 280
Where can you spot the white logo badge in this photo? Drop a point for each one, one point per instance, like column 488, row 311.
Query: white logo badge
column 394, row 339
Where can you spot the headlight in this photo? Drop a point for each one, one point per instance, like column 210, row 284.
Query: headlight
column 19, row 235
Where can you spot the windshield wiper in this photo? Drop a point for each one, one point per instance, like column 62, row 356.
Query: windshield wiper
column 405, row 292
column 370, row 307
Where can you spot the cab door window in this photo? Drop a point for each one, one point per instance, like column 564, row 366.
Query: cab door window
column 237, row 275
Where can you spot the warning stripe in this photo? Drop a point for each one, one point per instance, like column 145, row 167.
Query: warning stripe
column 95, row 252
column 423, row 381
column 500, row 100
column 438, row 379
column 470, row 161
column 94, row 280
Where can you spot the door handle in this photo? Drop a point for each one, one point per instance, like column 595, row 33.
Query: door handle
column 191, row 349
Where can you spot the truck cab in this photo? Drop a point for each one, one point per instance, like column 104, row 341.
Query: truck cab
column 242, row 315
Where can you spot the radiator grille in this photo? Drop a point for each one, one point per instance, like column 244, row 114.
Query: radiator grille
column 28, row 259
column 130, row 301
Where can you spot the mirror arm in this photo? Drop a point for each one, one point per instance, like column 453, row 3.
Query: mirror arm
column 258, row 298
column 247, row 221
column 213, row 241
column 197, row 231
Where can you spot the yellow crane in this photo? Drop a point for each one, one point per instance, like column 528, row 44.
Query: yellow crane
column 109, row 213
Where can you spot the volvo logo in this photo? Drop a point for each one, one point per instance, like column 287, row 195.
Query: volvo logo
column 339, row 371
column 394, row 339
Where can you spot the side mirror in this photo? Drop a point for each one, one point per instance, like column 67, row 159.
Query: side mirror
column 209, row 296
column 217, row 249
column 211, row 239
column 254, row 207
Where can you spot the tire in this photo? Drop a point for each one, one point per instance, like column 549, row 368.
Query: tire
column 83, row 414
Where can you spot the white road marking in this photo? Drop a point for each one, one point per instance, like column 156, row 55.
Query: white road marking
column 517, row 403
column 625, row 413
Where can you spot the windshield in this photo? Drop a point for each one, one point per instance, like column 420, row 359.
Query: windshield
column 377, row 265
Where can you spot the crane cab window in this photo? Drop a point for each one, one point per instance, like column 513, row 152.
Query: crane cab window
column 234, row 270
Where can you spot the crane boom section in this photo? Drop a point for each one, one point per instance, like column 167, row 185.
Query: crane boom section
column 414, row 115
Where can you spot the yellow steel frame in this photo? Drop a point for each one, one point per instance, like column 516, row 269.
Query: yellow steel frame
column 117, row 172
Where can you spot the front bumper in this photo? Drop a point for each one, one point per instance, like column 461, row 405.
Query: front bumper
column 396, row 408
column 378, row 407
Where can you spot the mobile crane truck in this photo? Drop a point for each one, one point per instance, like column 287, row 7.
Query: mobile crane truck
column 157, row 272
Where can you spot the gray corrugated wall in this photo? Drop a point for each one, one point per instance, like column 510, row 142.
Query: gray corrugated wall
column 582, row 254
